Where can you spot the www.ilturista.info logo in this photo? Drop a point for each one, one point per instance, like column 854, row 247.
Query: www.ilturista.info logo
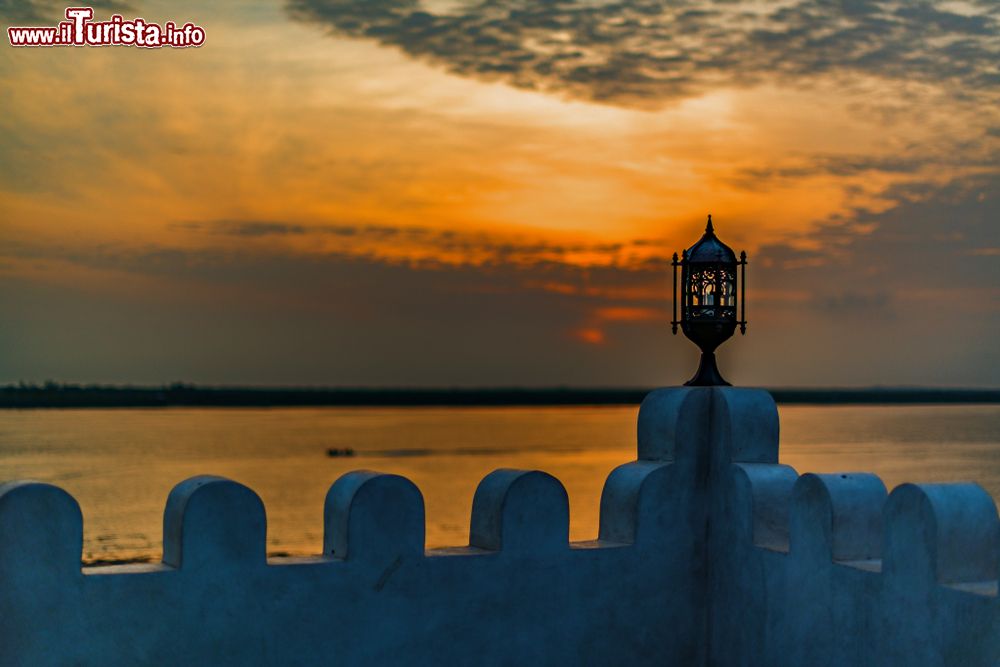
column 80, row 30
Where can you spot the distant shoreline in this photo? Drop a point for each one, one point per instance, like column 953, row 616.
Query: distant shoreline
column 76, row 396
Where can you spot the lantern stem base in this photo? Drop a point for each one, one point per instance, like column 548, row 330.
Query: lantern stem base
column 708, row 374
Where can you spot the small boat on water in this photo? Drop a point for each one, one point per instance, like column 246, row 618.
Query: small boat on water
column 335, row 452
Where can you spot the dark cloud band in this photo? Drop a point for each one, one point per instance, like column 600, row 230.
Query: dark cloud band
column 645, row 53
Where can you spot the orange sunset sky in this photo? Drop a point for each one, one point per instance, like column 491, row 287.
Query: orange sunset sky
column 395, row 192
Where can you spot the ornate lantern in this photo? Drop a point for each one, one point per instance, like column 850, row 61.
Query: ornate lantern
column 708, row 300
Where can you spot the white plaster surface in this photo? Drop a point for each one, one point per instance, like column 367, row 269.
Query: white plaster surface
column 709, row 553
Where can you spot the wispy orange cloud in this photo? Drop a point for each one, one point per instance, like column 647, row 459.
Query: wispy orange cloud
column 629, row 314
column 590, row 335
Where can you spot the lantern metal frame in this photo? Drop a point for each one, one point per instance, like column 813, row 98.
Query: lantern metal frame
column 709, row 300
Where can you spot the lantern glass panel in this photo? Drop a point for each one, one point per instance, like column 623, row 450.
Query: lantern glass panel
column 711, row 293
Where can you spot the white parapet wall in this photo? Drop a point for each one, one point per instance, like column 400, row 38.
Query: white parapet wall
column 709, row 553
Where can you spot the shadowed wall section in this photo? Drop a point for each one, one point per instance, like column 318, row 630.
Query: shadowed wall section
column 709, row 553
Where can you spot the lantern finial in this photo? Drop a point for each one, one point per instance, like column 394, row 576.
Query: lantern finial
column 708, row 300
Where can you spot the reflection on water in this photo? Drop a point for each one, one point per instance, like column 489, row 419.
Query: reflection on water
column 121, row 464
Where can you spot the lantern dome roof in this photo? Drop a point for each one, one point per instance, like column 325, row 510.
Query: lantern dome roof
column 709, row 249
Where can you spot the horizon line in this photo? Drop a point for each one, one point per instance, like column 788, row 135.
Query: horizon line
column 70, row 395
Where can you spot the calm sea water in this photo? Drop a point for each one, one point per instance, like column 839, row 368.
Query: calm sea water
column 121, row 464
